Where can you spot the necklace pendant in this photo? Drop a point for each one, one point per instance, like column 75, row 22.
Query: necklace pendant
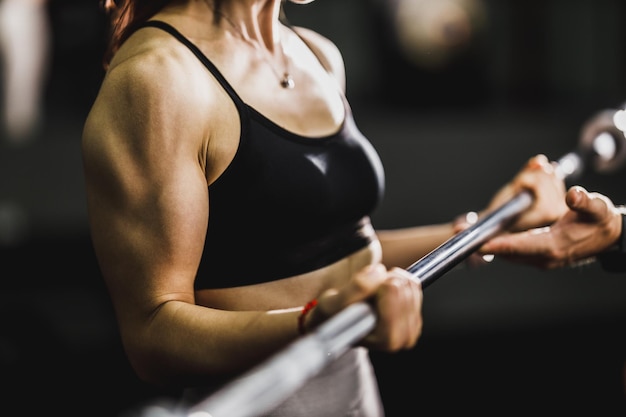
column 287, row 81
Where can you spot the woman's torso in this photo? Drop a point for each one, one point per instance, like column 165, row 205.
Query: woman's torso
column 316, row 109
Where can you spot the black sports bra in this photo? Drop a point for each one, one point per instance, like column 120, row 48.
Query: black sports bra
column 287, row 204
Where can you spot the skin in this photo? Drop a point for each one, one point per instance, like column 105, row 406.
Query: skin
column 590, row 226
column 160, row 131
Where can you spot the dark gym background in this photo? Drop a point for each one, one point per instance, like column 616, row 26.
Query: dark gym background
column 501, row 340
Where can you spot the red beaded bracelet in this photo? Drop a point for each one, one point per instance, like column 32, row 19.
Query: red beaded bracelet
column 305, row 310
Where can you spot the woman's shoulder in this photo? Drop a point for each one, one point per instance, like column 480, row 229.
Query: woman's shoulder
column 153, row 70
column 152, row 81
column 149, row 53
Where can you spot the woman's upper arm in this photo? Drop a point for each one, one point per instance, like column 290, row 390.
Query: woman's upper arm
column 146, row 189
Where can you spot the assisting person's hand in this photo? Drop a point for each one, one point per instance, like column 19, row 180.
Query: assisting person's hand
column 591, row 225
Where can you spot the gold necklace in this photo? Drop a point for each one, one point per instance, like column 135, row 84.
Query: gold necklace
column 286, row 81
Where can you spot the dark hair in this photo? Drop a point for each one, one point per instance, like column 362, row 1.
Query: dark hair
column 126, row 15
